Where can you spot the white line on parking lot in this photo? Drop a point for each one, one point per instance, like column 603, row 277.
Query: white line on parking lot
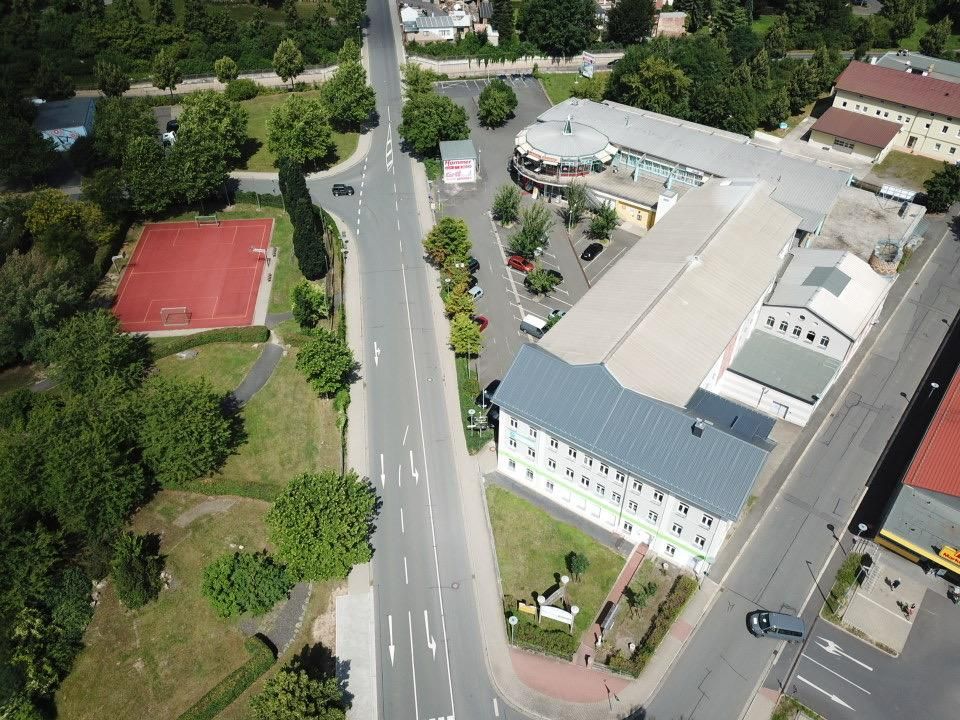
column 833, row 672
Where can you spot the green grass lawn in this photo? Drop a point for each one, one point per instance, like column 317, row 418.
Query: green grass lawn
column 531, row 547
column 762, row 24
column 155, row 662
column 260, row 158
column 224, row 365
column 469, row 387
column 559, row 86
column 289, row 430
column 907, row 169
column 913, row 41
column 19, row 376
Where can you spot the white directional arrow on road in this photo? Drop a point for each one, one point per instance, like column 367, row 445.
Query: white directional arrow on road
column 392, row 647
column 831, row 647
column 383, row 478
column 830, row 695
column 431, row 643
column 413, row 470
column 376, row 354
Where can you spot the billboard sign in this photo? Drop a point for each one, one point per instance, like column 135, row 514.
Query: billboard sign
column 586, row 65
column 459, row 171
column 555, row 613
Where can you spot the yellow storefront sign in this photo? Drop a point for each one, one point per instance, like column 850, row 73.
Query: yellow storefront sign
column 951, row 554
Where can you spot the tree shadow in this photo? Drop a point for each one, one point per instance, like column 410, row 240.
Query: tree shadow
column 248, row 149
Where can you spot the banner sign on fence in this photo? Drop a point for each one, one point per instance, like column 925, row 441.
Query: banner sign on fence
column 586, row 65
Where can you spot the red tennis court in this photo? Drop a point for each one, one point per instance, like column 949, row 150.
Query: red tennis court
column 194, row 275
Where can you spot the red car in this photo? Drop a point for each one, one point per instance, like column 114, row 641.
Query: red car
column 481, row 322
column 518, row 262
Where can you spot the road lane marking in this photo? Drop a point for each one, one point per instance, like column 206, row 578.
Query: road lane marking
column 830, row 695
column 402, row 530
column 836, row 673
column 897, row 615
column 392, row 646
column 399, row 476
column 831, row 647
column 376, row 354
column 496, row 708
column 383, row 477
column 406, row 577
column 405, row 431
column 413, row 470
column 431, row 643
column 413, row 668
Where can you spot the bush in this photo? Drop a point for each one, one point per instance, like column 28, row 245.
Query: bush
column 846, row 577
column 234, row 684
column 309, row 303
column 551, row 641
column 241, row 582
column 326, row 361
column 135, row 571
column 163, row 347
column 241, row 89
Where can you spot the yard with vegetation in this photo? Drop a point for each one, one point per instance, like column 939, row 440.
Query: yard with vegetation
column 531, row 551
column 842, row 586
column 469, row 387
column 223, row 365
column 559, row 86
column 904, row 168
column 259, row 158
column 912, row 42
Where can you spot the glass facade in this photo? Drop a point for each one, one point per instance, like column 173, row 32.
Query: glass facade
column 660, row 168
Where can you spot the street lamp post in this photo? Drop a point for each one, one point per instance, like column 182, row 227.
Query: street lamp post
column 933, row 386
column 513, row 623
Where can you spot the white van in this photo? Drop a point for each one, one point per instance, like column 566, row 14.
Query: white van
column 532, row 325
column 476, row 292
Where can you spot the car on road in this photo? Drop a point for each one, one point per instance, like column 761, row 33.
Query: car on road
column 518, row 262
column 170, row 136
column 473, row 264
column 481, row 321
column 779, row 626
column 339, row 189
column 556, row 314
column 591, row 251
column 476, row 292
column 613, row 62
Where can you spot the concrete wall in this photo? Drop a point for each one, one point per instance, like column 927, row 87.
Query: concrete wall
column 838, row 344
column 860, row 150
column 763, row 399
column 472, row 67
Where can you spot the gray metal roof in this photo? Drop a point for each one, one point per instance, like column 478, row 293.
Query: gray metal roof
column 831, row 279
column 734, row 418
column 458, row 150
column 911, row 61
column 800, row 184
column 586, row 407
column 430, row 22
column 783, row 365
column 566, row 140
column 60, row 114
column 927, row 519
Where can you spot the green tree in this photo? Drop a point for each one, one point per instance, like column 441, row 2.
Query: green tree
column 777, row 37
column 211, row 116
column 106, row 188
column 185, row 433
column 534, row 232
column 590, row 88
column 117, row 122
column 51, row 83
column 698, row 12
column 503, row 22
column 111, row 80
column 457, row 302
column 166, row 72
column 309, row 303
column 823, row 69
column 506, row 204
column 135, row 571
column 34, row 638
column 299, row 129
column 800, row 87
column 288, row 61
column 198, row 166
column 541, row 282
column 657, row 85
column 145, row 171
column 943, row 188
column 417, row 80
column 244, row 582
column 326, row 361
column 630, row 22
column 90, row 347
column 605, row 219
column 321, row 524
column 349, row 15
column 934, row 40
column 349, row 52
column 348, row 97
column 163, row 13
column 226, row 69
column 903, row 17
column 760, row 70
column 496, row 104
column 25, row 156
column 777, row 108
column 449, row 237
column 577, row 564
column 465, row 337
column 292, row 694
column 577, row 203
column 561, row 28
column 428, row 119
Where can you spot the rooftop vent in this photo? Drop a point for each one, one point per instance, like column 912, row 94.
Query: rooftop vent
column 697, row 428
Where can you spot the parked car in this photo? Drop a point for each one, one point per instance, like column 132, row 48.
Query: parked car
column 518, row 262
column 472, row 282
column 591, row 251
column 486, row 396
column 473, row 264
column 556, row 314
column 533, row 326
column 170, row 136
column 779, row 626
column 476, row 292
column 481, row 321
column 340, row 189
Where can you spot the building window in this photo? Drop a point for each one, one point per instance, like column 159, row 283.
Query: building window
column 706, row 521
column 937, row 146
column 677, row 529
column 620, row 477
column 628, row 527
column 657, row 496
column 811, row 336
column 771, row 321
column 511, row 464
column 953, row 150
column 554, row 444
column 601, row 490
column 604, row 469
column 783, row 326
column 636, row 484
column 843, row 144
column 570, row 473
column 616, row 497
column 529, row 474
column 858, row 106
column 683, row 509
column 513, row 423
column 585, row 481
column 533, row 432
column 632, row 505
column 652, row 516
column 588, row 461
column 549, row 486
column 878, row 113
column 572, row 453
column 900, row 118
column 512, row 443
column 552, row 464
column 944, row 129
column 886, row 114
column 700, row 541
column 670, row 550
column 797, row 330
column 824, row 341
column 532, row 453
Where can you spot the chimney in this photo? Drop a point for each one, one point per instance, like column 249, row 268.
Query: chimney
column 697, row 428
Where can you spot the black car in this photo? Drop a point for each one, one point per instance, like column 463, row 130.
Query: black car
column 472, row 282
column 591, row 251
column 556, row 274
column 473, row 264
column 341, row 189
column 173, row 125
column 487, row 393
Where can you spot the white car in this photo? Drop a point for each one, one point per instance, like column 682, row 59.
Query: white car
column 170, row 136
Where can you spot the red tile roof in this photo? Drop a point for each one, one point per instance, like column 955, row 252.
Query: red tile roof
column 858, row 127
column 905, row 88
column 936, row 464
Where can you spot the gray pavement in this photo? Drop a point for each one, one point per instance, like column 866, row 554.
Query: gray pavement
column 259, row 374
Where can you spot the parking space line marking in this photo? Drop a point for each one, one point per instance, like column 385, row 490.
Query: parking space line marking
column 836, row 673
column 887, row 610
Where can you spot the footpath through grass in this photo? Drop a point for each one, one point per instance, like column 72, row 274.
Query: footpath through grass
column 224, row 365
column 531, row 551
column 260, row 158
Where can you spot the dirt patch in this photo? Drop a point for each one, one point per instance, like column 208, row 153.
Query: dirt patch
column 324, row 627
column 213, row 506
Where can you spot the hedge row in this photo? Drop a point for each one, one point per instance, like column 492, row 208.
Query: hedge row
column 233, row 685
column 552, row 641
column 162, row 347
column 683, row 589
column 307, row 222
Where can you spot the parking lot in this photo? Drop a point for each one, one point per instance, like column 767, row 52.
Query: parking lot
column 506, row 300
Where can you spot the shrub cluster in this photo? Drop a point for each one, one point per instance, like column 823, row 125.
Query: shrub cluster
column 241, row 582
column 552, row 641
column 234, row 684
column 163, row 347
column 308, row 244
column 241, row 89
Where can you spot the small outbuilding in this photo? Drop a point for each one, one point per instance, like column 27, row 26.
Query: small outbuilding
column 459, row 159
column 63, row 121
column 863, row 136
